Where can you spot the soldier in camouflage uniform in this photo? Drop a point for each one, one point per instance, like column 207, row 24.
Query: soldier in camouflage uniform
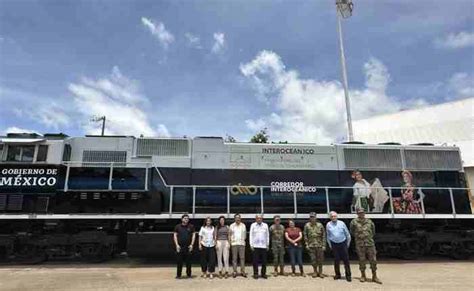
column 315, row 240
column 277, row 238
column 363, row 230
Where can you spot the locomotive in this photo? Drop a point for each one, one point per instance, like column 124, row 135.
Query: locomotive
column 94, row 197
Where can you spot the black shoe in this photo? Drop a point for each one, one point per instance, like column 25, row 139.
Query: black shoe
column 234, row 275
column 189, row 276
column 255, row 277
column 348, row 278
column 244, row 275
column 337, row 277
column 178, row 277
column 264, row 277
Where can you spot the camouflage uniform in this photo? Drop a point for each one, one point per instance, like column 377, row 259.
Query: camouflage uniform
column 315, row 239
column 277, row 237
column 363, row 230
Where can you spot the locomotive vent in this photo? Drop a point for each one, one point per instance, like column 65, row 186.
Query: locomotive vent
column 357, row 158
column 89, row 156
column 162, row 147
column 433, row 160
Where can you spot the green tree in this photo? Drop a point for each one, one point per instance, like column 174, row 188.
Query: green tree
column 260, row 137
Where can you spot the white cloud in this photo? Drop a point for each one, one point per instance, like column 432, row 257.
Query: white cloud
column 120, row 100
column 455, row 41
column 308, row 110
column 193, row 40
column 461, row 85
column 219, row 42
column 159, row 31
column 14, row 129
column 47, row 112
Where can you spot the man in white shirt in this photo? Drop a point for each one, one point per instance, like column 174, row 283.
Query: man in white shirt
column 238, row 235
column 259, row 243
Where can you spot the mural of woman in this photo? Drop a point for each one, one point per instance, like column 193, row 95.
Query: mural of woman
column 408, row 203
column 362, row 191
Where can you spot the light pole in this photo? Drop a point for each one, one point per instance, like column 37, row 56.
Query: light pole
column 100, row 118
column 344, row 10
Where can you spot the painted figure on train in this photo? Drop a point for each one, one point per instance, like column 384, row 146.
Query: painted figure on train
column 370, row 197
column 410, row 200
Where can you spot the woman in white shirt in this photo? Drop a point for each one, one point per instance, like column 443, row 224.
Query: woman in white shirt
column 362, row 192
column 207, row 246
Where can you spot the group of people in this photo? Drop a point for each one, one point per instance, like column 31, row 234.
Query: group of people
column 217, row 242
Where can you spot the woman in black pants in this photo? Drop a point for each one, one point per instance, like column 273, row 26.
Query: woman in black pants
column 207, row 246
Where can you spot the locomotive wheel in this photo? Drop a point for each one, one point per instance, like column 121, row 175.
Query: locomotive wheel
column 99, row 254
column 30, row 254
column 410, row 251
column 459, row 252
column 3, row 254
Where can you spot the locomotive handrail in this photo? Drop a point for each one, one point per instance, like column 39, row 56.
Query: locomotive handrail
column 450, row 207
column 104, row 164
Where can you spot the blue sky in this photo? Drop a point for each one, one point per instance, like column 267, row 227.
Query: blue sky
column 196, row 68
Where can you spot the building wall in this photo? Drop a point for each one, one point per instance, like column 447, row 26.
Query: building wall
column 449, row 123
column 469, row 172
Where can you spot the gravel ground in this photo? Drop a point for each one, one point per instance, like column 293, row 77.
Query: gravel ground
column 444, row 275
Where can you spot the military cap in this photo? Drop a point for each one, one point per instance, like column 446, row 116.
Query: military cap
column 312, row 214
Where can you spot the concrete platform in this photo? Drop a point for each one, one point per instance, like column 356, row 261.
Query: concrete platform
column 445, row 275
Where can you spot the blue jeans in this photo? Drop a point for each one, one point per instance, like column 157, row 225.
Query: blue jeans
column 296, row 257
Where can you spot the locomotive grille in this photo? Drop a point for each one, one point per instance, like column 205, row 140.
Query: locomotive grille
column 433, row 160
column 15, row 202
column 104, row 157
column 162, row 147
column 372, row 158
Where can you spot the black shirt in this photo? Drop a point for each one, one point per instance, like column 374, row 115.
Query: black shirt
column 185, row 234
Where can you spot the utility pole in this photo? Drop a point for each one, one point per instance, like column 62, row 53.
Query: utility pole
column 344, row 10
column 100, row 118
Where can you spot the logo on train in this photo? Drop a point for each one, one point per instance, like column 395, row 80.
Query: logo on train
column 291, row 187
column 239, row 189
column 30, row 177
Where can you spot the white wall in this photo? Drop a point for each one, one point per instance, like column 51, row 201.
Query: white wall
column 448, row 123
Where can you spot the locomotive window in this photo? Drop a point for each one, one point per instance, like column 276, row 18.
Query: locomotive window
column 312, row 201
column 27, row 153
column 128, row 178
column 211, row 200
column 67, row 153
column 42, row 153
column 14, row 154
column 89, row 178
column 278, row 202
column 20, row 153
